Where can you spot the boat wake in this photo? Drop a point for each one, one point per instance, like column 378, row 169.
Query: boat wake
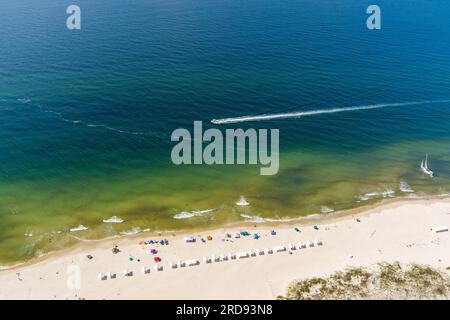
column 90, row 125
column 319, row 111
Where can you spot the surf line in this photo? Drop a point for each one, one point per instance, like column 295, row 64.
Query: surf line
column 320, row 111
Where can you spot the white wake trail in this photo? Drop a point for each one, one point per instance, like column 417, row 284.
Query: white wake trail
column 320, row 111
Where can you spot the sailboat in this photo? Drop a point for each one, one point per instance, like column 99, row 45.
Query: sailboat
column 424, row 167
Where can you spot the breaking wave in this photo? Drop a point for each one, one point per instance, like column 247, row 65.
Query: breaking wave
column 319, row 111
column 387, row 193
column 405, row 187
column 195, row 213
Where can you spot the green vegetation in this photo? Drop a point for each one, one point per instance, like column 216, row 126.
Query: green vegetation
column 382, row 281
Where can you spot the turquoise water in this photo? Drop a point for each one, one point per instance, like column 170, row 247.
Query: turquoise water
column 87, row 115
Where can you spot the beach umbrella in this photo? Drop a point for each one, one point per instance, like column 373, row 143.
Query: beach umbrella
column 297, row 229
column 316, row 228
column 157, row 259
column 209, row 237
column 273, row 232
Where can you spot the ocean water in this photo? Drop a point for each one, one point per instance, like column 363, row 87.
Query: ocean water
column 86, row 115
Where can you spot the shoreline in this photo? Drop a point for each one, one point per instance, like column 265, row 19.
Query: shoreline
column 391, row 231
column 272, row 223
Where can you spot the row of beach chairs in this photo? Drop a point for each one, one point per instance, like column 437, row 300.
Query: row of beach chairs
column 218, row 258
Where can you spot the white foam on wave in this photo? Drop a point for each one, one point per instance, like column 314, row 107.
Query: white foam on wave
column 132, row 231
column 113, row 219
column 258, row 219
column 319, row 111
column 79, row 228
column 242, row 202
column 405, row 187
column 191, row 214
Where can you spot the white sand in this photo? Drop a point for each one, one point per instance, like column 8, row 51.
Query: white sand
column 394, row 231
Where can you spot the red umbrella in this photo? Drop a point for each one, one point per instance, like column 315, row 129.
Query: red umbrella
column 157, row 259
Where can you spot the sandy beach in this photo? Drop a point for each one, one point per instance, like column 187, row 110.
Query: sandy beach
column 397, row 230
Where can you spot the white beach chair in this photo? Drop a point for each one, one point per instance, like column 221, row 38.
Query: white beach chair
column 301, row 245
column 237, row 235
column 291, row 247
column 111, row 275
column 217, row 258
column 279, row 248
column 224, row 257
column 261, row 252
column 181, row 263
column 158, row 267
column 257, row 252
column 231, row 256
column 207, row 259
column 251, row 253
column 317, row 242
column 268, row 251
column 173, row 265
column 310, row 243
